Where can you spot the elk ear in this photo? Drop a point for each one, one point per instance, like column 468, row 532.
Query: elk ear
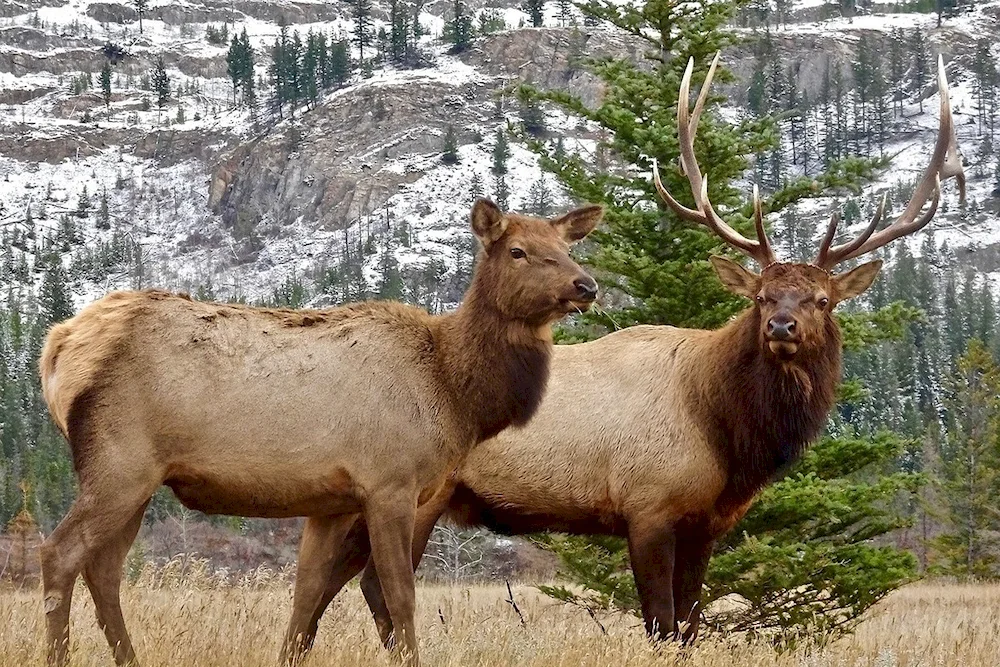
column 575, row 225
column 488, row 222
column 736, row 278
column 856, row 281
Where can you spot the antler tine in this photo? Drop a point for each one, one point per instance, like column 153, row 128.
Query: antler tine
column 704, row 213
column 945, row 163
column 823, row 258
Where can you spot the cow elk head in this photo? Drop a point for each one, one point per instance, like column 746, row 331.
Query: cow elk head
column 528, row 261
column 794, row 300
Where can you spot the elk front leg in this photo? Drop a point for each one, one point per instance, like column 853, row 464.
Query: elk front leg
column 321, row 541
column 390, row 520
column 652, row 549
column 692, row 554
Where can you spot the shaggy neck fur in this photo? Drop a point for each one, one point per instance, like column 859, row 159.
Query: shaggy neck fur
column 765, row 412
column 496, row 367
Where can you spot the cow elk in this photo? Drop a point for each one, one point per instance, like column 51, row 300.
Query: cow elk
column 360, row 410
column 691, row 424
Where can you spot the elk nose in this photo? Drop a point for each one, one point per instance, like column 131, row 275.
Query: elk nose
column 586, row 288
column 781, row 327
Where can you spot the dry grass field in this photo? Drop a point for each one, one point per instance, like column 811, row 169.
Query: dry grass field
column 197, row 624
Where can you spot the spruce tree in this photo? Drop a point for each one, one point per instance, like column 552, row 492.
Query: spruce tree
column 971, row 468
column 105, row 80
column 501, row 153
column 399, row 31
column 161, row 83
column 140, row 8
column 921, row 66
column 362, row 14
column 450, row 153
column 458, row 31
column 535, row 9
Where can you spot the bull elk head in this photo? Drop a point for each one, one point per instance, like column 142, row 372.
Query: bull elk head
column 795, row 299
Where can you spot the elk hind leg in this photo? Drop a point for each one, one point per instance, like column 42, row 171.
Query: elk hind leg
column 321, row 541
column 101, row 511
column 103, row 575
column 427, row 516
column 390, row 520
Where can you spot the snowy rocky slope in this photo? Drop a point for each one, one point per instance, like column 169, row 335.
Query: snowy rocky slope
column 218, row 200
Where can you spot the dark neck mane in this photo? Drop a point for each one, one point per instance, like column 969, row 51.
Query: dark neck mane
column 496, row 368
column 764, row 413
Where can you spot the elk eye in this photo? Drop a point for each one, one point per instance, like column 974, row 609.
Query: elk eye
column 760, row 299
column 517, row 253
column 823, row 303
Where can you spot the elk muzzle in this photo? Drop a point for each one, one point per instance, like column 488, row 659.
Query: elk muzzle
column 782, row 336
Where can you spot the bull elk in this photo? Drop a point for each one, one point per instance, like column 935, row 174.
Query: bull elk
column 692, row 424
column 360, row 410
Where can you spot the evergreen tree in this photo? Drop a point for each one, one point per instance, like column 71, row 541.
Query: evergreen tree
column 458, row 31
column 399, row 35
column 535, row 9
column 54, row 299
column 310, row 69
column 363, row 24
column 501, row 193
column 339, row 65
column 897, row 68
column 105, row 80
column 971, row 468
column 501, row 153
column 565, row 15
column 161, row 83
column 450, row 153
column 540, row 199
column 140, row 8
column 985, row 87
column 532, row 116
column 240, row 67
column 921, row 66
column 103, row 214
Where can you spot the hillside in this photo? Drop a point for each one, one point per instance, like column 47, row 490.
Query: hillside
column 202, row 195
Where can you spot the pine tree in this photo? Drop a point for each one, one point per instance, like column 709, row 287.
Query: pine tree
column 105, row 80
column 921, row 67
column 540, row 199
column 971, row 468
column 535, row 9
column 501, row 153
column 399, row 31
column 310, row 68
column 532, row 116
column 339, row 70
column 103, row 214
column 140, row 8
column 897, row 68
column 565, row 15
column 54, row 299
column 161, row 83
column 362, row 12
column 501, row 193
column 458, row 31
column 985, row 87
column 450, row 152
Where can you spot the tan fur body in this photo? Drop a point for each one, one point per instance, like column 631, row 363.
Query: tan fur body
column 634, row 449
column 259, row 413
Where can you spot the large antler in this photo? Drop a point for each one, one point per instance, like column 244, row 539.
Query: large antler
column 704, row 214
column 945, row 163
